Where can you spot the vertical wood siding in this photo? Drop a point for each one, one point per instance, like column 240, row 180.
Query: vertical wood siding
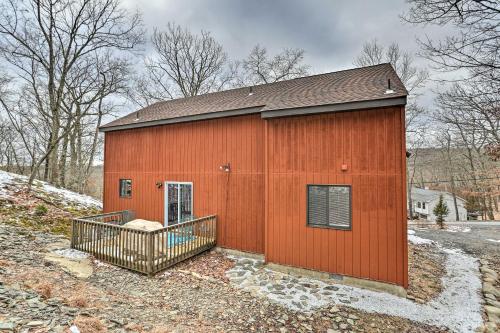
column 193, row 152
column 272, row 161
column 310, row 150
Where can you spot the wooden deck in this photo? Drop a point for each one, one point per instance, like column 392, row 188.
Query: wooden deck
column 147, row 252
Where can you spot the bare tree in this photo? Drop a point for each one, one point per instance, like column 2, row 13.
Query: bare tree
column 473, row 106
column 183, row 64
column 45, row 40
column 469, row 129
column 413, row 77
column 259, row 67
column 476, row 39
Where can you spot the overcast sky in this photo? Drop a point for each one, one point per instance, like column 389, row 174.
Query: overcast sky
column 331, row 32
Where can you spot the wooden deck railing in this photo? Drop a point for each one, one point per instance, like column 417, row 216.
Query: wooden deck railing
column 147, row 252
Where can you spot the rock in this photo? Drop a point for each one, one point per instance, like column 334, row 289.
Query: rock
column 81, row 268
column 490, row 327
column 490, row 296
column 492, row 302
column 7, row 326
column 487, row 271
column 35, row 323
column 344, row 326
column 117, row 321
column 334, row 309
column 330, row 330
column 492, row 310
column 331, row 288
column 488, row 288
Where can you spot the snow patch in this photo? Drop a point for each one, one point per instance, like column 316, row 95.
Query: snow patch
column 100, row 263
column 411, row 232
column 74, row 329
column 10, row 183
column 452, row 228
column 418, row 240
column 458, row 307
column 71, row 254
column 493, row 240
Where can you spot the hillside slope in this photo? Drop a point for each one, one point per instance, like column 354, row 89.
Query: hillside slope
column 45, row 207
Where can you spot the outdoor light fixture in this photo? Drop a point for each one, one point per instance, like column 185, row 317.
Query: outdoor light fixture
column 225, row 167
column 159, row 185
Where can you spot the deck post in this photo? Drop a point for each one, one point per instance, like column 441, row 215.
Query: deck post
column 150, row 254
column 72, row 234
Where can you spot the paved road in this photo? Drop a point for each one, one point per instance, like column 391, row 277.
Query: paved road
column 476, row 242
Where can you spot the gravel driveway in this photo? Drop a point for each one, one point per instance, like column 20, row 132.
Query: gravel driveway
column 477, row 242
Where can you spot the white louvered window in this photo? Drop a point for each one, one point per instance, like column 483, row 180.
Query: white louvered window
column 329, row 206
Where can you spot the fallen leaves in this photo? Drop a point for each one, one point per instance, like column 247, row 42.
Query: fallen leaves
column 425, row 269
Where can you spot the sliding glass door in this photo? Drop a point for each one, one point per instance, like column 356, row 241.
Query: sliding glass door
column 178, row 202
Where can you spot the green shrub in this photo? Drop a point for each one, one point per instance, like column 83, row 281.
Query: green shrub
column 40, row 210
column 441, row 211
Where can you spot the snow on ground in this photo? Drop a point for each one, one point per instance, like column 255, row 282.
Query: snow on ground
column 417, row 240
column 458, row 307
column 493, row 240
column 452, row 228
column 71, row 254
column 10, row 182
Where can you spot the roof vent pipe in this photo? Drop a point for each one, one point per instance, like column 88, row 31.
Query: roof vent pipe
column 389, row 90
column 136, row 116
column 250, row 92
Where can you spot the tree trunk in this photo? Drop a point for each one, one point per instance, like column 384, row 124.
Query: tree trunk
column 454, row 194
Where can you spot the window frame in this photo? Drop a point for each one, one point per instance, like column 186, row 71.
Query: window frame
column 328, row 226
column 120, row 188
column 165, row 201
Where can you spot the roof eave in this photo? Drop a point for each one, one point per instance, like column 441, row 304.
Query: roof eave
column 184, row 119
column 348, row 106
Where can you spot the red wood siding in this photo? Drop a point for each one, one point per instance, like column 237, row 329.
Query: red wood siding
column 261, row 203
column 193, row 152
column 310, row 150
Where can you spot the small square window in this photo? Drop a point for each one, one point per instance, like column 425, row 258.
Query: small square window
column 125, row 188
column 329, row 206
column 419, row 205
column 423, row 205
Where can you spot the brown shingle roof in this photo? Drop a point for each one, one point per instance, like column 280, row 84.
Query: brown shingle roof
column 353, row 85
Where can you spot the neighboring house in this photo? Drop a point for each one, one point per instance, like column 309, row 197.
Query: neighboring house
column 425, row 200
column 309, row 172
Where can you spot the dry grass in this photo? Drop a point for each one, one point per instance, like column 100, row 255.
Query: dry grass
column 77, row 301
column 89, row 325
column 49, row 285
column 44, row 289
column 212, row 264
column 425, row 269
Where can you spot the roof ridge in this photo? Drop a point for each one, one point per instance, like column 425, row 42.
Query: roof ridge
column 346, row 89
column 270, row 83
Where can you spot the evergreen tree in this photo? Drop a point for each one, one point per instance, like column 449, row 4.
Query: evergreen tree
column 441, row 211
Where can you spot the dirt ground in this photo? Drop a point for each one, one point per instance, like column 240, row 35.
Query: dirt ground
column 191, row 297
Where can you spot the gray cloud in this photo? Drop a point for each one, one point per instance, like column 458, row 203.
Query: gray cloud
column 331, row 32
